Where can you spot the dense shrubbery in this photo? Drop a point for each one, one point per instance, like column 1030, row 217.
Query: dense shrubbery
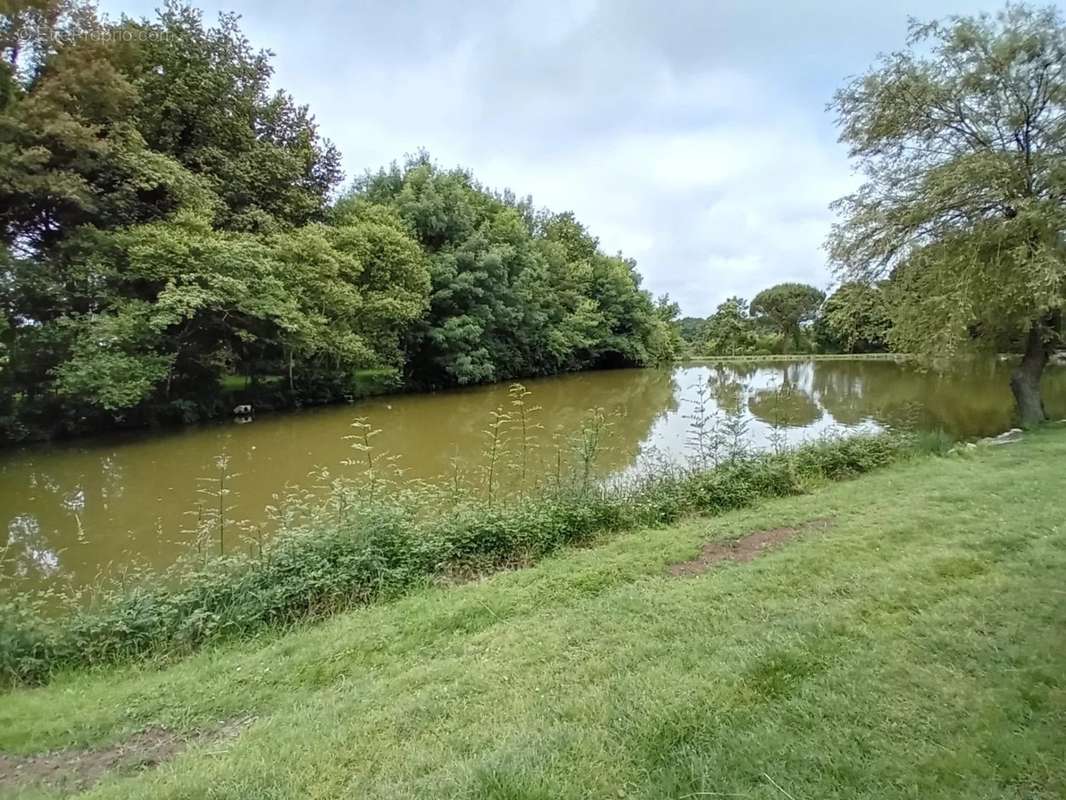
column 356, row 549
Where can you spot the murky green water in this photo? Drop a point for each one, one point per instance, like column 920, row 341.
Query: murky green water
column 74, row 510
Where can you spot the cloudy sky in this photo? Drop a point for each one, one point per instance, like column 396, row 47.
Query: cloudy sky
column 690, row 135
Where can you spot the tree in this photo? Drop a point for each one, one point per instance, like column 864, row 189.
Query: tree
column 203, row 98
column 786, row 307
column 730, row 330
column 854, row 319
column 513, row 292
column 664, row 342
column 691, row 331
column 962, row 138
column 154, row 208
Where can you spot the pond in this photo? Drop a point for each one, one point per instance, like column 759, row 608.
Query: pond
column 76, row 510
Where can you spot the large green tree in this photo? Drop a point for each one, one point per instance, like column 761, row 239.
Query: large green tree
column 962, row 139
column 203, row 97
column 730, row 330
column 785, row 308
column 513, row 292
column 854, row 319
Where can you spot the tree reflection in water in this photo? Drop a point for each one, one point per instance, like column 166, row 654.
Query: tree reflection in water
column 786, row 403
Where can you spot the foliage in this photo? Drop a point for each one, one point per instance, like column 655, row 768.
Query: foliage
column 962, row 138
column 664, row 342
column 363, row 546
column 513, row 292
column 691, row 331
column 854, row 319
column 167, row 223
column 731, row 330
column 785, row 308
column 203, row 99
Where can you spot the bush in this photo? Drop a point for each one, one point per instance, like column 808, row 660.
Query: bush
column 352, row 551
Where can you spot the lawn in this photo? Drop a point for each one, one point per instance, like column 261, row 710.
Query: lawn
column 909, row 641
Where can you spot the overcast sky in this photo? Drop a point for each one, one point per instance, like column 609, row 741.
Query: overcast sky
column 690, row 135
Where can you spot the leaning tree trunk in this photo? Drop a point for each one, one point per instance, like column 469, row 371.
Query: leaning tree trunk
column 1025, row 380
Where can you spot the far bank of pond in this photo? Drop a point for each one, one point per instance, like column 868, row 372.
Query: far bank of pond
column 70, row 511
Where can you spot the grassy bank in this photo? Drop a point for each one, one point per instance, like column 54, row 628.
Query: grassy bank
column 907, row 642
column 365, row 544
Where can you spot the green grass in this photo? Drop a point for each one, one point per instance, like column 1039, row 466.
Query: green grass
column 915, row 649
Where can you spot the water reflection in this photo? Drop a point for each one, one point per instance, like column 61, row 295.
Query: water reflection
column 73, row 509
column 972, row 400
column 727, row 387
column 787, row 406
column 787, row 400
column 24, row 549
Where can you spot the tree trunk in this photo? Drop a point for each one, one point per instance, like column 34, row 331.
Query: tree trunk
column 1025, row 380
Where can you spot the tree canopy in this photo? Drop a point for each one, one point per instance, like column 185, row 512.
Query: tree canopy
column 854, row 319
column 786, row 307
column 730, row 330
column 962, row 137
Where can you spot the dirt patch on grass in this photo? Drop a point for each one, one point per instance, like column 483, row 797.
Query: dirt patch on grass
column 75, row 769
column 745, row 548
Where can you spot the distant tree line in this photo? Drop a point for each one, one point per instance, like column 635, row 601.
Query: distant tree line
column 794, row 318
column 173, row 242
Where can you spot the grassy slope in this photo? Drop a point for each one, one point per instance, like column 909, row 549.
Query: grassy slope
column 917, row 649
